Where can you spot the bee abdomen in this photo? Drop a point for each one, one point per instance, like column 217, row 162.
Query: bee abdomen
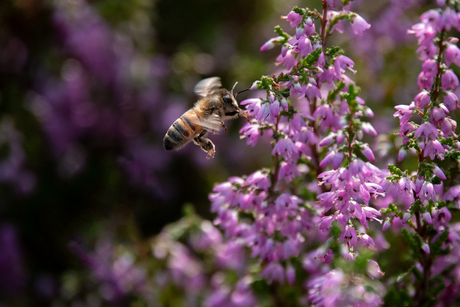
column 179, row 133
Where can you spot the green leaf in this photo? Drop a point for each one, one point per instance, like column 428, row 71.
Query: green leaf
column 397, row 298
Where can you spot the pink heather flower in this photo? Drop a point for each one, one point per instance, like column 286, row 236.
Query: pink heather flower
column 342, row 63
column 430, row 68
column 289, row 249
column 331, row 15
column 406, row 217
column 275, row 109
column 373, row 269
column 425, row 34
column 271, row 43
column 433, row 18
column 426, row 193
column 406, row 185
column 251, row 132
column 349, row 236
column 404, row 112
column 368, row 128
column 402, row 154
column 422, row 100
column 452, row 54
column 216, row 298
column 438, row 172
column 428, row 51
column 255, row 85
column 369, row 214
column 290, row 274
column 386, row 224
column 453, row 194
column 286, row 200
column 367, row 241
column 309, row 29
column 442, row 218
column 449, row 19
column 326, row 222
column 449, row 80
column 328, row 75
column 333, row 157
column 225, row 189
column 427, row 217
column 426, row 248
column 332, row 3
column 311, row 91
column 425, row 81
column 324, row 112
column 328, row 140
column 297, row 122
column 327, row 199
column 304, row 47
column 289, row 60
column 405, row 129
column 367, row 152
column 288, row 172
column 285, row 147
column 260, row 179
column 448, row 127
column 284, row 104
column 252, row 105
column 359, row 25
column 437, row 115
column 450, row 100
column 427, row 130
column 327, row 257
column 293, row 19
column 273, row 272
column 418, row 184
column 432, row 148
column 264, row 112
column 299, row 31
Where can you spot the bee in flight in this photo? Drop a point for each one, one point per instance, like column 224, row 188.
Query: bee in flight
column 214, row 105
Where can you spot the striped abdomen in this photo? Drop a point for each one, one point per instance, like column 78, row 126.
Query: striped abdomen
column 182, row 131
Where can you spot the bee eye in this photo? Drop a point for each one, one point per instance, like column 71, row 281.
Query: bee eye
column 227, row 99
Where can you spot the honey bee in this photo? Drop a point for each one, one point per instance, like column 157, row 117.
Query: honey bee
column 214, row 106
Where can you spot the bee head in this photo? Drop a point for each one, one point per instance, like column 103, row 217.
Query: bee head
column 230, row 105
column 231, row 108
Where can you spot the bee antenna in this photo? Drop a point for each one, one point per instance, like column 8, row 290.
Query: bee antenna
column 234, row 88
column 242, row 91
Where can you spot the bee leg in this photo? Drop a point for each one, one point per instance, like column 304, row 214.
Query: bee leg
column 206, row 145
column 223, row 125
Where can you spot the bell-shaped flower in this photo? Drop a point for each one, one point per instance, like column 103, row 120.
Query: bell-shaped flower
column 359, row 25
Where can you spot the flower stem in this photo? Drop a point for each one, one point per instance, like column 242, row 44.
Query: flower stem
column 323, row 25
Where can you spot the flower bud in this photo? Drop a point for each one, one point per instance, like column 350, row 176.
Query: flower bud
column 386, row 225
column 256, row 85
column 406, row 217
column 426, row 248
column 427, row 217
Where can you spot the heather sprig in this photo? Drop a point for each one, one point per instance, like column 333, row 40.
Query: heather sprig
column 428, row 130
column 314, row 116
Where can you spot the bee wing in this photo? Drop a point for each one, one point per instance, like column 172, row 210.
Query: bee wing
column 205, row 86
column 212, row 123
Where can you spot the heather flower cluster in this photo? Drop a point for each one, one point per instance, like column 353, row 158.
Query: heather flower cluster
column 317, row 122
column 191, row 262
column 315, row 117
column 428, row 130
